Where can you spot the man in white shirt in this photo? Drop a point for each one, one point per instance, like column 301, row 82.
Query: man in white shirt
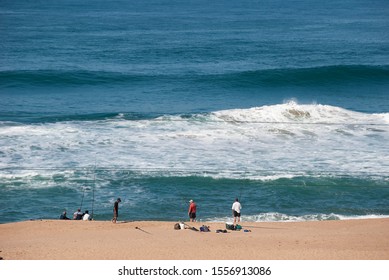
column 77, row 215
column 236, row 207
column 86, row 216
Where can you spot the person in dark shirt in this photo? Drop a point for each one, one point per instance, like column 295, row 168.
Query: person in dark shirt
column 63, row 216
column 78, row 215
column 116, row 210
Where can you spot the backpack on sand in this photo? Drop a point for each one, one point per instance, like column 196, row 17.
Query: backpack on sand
column 204, row 229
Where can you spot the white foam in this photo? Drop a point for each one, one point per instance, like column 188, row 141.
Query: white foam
column 294, row 113
column 280, row 217
column 265, row 143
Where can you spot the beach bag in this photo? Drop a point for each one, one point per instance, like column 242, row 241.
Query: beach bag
column 238, row 227
column 230, row 226
column 204, row 229
column 177, row 226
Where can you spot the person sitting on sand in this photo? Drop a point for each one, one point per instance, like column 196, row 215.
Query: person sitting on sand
column 63, row 216
column 116, row 210
column 192, row 211
column 86, row 216
column 78, row 215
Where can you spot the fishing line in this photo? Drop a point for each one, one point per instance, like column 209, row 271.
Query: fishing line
column 240, row 194
column 82, row 200
column 93, row 190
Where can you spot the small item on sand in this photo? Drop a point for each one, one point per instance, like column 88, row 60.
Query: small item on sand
column 221, row 231
column 192, row 228
column 138, row 228
column 247, row 230
column 230, row 226
column 179, row 226
column 204, row 228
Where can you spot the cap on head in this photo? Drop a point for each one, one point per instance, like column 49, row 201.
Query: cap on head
column 190, row 201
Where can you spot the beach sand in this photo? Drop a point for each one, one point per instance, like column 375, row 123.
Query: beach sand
column 150, row 240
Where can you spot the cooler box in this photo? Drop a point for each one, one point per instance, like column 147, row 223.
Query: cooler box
column 230, row 226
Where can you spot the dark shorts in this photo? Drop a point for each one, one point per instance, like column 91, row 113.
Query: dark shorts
column 236, row 214
column 192, row 215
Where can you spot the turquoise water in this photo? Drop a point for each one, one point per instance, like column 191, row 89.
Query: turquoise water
column 284, row 105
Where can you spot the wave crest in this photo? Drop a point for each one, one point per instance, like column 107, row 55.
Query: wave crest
column 302, row 113
column 313, row 76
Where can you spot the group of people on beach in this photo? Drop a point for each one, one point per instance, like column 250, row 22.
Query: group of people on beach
column 236, row 209
column 78, row 215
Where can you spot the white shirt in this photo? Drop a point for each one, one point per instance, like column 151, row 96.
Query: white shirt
column 236, row 206
column 86, row 217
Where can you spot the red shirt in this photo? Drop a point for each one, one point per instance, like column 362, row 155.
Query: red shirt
column 192, row 208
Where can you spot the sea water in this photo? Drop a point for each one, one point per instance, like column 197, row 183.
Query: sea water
column 282, row 104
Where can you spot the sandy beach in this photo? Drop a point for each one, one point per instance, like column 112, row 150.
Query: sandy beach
column 147, row 240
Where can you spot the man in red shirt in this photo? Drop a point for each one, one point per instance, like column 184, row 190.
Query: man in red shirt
column 192, row 211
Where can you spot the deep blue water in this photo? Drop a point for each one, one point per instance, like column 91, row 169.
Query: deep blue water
column 284, row 104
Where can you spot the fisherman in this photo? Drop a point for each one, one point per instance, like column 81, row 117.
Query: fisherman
column 192, row 211
column 116, row 210
column 236, row 207
column 86, row 216
column 78, row 215
column 63, row 216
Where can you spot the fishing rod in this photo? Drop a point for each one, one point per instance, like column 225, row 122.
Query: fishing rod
column 82, row 200
column 240, row 193
column 83, row 195
column 93, row 189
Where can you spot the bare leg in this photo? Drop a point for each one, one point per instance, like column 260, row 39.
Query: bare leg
column 114, row 218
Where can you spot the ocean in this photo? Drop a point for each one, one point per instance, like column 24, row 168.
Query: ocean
column 282, row 104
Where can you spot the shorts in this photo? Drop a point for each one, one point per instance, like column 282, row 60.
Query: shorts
column 236, row 214
column 192, row 215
